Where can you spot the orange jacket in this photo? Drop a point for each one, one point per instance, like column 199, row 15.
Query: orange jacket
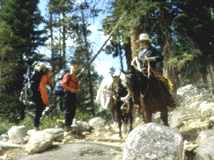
column 45, row 80
column 70, row 83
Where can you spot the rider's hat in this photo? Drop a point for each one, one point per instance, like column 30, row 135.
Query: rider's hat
column 144, row 37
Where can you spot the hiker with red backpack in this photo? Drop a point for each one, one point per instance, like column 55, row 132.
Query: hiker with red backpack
column 71, row 86
column 40, row 80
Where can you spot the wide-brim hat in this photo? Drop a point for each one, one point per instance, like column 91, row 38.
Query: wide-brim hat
column 144, row 37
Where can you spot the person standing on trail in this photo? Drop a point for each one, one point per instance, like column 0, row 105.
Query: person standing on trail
column 147, row 53
column 40, row 94
column 71, row 87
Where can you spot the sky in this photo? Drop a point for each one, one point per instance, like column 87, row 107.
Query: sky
column 103, row 62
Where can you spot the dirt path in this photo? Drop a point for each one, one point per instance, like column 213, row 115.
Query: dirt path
column 95, row 146
column 78, row 151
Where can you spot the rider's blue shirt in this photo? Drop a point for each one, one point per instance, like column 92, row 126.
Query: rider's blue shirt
column 149, row 52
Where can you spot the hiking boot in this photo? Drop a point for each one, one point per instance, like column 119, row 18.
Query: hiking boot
column 36, row 128
column 68, row 129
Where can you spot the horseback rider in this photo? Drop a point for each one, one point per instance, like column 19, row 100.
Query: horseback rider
column 150, row 60
column 148, row 55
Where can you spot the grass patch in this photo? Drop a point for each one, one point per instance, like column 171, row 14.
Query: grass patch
column 5, row 125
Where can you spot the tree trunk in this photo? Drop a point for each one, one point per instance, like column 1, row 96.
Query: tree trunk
column 135, row 32
column 169, row 71
column 51, row 34
column 128, row 52
column 120, row 56
column 63, row 38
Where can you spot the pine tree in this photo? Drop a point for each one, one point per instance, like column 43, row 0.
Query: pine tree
column 59, row 22
column 20, row 36
column 83, row 54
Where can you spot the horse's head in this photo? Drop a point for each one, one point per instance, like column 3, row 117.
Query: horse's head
column 135, row 81
column 117, row 88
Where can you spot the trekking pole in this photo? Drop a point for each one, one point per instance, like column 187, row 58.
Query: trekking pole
column 101, row 48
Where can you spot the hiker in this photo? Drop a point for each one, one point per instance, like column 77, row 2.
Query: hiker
column 146, row 53
column 59, row 90
column 40, row 93
column 71, row 87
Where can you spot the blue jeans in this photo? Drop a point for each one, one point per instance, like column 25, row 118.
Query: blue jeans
column 39, row 107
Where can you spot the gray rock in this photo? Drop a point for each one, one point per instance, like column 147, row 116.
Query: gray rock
column 205, row 141
column 38, row 142
column 81, row 126
column 204, row 136
column 56, row 133
column 194, row 112
column 9, row 145
column 4, row 137
column 78, row 151
column 17, row 134
column 206, row 109
column 97, row 123
column 187, row 90
column 153, row 142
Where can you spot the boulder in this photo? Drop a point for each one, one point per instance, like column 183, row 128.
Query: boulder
column 176, row 119
column 193, row 127
column 83, row 126
column 97, row 123
column 8, row 145
column 187, row 91
column 204, row 135
column 38, row 142
column 4, row 137
column 206, row 109
column 153, row 141
column 205, row 141
column 57, row 134
column 17, row 134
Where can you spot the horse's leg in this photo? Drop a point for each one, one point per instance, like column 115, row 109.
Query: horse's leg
column 131, row 110
column 119, row 120
column 130, row 122
column 142, row 108
column 147, row 116
column 164, row 116
column 120, row 127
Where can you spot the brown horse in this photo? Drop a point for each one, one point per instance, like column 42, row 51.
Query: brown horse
column 121, row 111
column 150, row 93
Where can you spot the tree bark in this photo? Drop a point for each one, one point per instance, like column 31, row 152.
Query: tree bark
column 135, row 32
column 63, row 38
column 128, row 52
column 170, row 71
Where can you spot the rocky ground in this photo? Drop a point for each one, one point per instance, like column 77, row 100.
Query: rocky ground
column 189, row 137
column 78, row 151
column 81, row 144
